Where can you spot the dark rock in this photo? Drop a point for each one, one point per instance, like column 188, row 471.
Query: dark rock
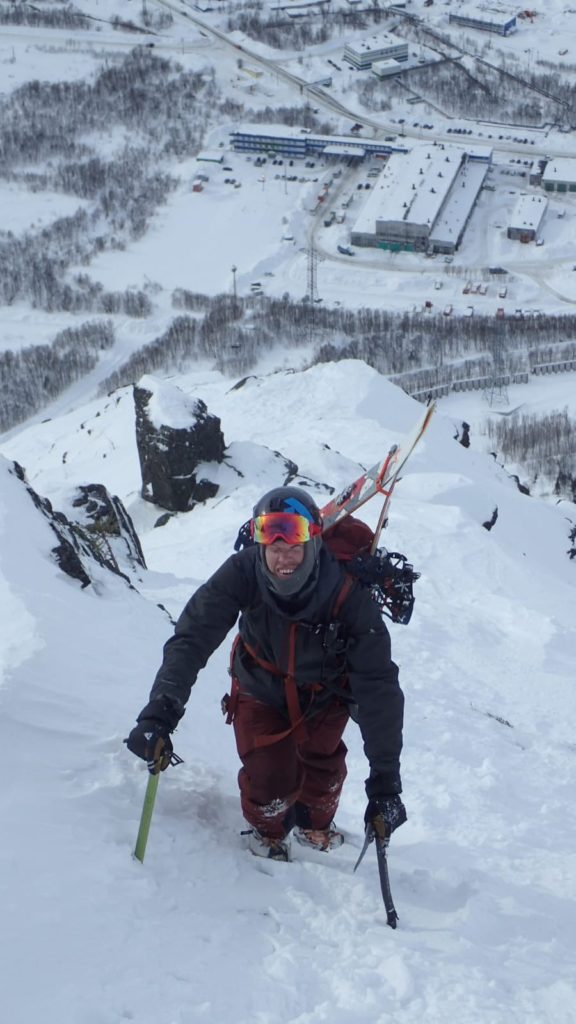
column 492, row 521
column 465, row 435
column 104, row 517
column 521, row 487
column 170, row 453
column 77, row 550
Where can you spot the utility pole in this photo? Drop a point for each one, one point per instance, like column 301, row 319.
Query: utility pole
column 234, row 269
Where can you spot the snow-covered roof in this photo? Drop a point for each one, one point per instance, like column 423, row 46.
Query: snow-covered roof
column 213, row 156
column 387, row 65
column 476, row 152
column 375, row 43
column 486, row 13
column 456, row 211
column 412, row 187
column 342, row 149
column 562, row 169
column 528, row 211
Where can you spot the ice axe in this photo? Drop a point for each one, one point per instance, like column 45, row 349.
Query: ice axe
column 161, row 761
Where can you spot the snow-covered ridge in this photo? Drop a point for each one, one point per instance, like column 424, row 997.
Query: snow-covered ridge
column 482, row 874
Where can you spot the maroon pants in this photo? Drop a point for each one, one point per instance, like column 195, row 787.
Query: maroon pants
column 289, row 782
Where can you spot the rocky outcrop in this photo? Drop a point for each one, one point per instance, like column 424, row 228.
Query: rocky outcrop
column 176, row 437
column 81, row 547
column 492, row 521
column 107, row 522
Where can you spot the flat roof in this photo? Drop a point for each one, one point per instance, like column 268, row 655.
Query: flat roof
column 479, row 152
column 214, row 156
column 372, row 44
column 411, row 188
column 339, row 149
column 562, row 169
column 528, row 211
column 452, row 220
column 486, row 14
column 389, row 62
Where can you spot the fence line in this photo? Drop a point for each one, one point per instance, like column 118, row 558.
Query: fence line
column 422, row 394
column 563, row 366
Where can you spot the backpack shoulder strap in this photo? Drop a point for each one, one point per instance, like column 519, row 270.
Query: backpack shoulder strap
column 347, row 584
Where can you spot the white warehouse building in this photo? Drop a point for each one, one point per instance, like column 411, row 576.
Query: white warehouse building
column 560, row 175
column 527, row 217
column 423, row 200
column 363, row 53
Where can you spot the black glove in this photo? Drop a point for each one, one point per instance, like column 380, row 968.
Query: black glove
column 385, row 814
column 150, row 738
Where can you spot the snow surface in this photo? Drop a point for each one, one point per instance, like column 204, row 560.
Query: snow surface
column 483, row 873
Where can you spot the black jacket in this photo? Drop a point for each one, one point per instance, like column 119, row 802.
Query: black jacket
column 361, row 652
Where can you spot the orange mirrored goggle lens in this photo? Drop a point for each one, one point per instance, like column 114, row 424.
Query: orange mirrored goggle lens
column 286, row 526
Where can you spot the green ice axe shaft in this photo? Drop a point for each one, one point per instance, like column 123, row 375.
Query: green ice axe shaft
column 146, row 816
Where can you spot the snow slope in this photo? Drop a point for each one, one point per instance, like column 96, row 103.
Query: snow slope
column 484, row 872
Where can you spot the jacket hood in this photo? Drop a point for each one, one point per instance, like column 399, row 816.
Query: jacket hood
column 317, row 590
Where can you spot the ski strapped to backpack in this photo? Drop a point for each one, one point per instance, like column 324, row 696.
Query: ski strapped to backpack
column 379, row 479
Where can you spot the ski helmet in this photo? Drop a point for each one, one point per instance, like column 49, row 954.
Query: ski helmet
column 292, row 501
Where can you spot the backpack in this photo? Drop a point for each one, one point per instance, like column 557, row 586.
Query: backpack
column 387, row 574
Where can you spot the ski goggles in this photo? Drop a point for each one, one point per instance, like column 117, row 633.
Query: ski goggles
column 286, row 526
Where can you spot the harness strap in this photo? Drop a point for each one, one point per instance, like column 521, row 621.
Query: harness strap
column 342, row 594
column 295, row 715
column 267, row 665
column 230, row 701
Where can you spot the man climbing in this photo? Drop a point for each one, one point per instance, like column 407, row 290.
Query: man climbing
column 311, row 648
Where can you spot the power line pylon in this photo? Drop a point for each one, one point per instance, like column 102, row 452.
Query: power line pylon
column 312, row 273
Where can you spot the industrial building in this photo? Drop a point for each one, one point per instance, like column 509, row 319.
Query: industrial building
column 560, row 175
column 423, row 200
column 527, row 217
column 485, row 18
column 363, row 53
column 385, row 68
column 294, row 142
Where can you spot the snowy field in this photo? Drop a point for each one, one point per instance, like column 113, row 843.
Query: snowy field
column 195, row 239
column 483, row 874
